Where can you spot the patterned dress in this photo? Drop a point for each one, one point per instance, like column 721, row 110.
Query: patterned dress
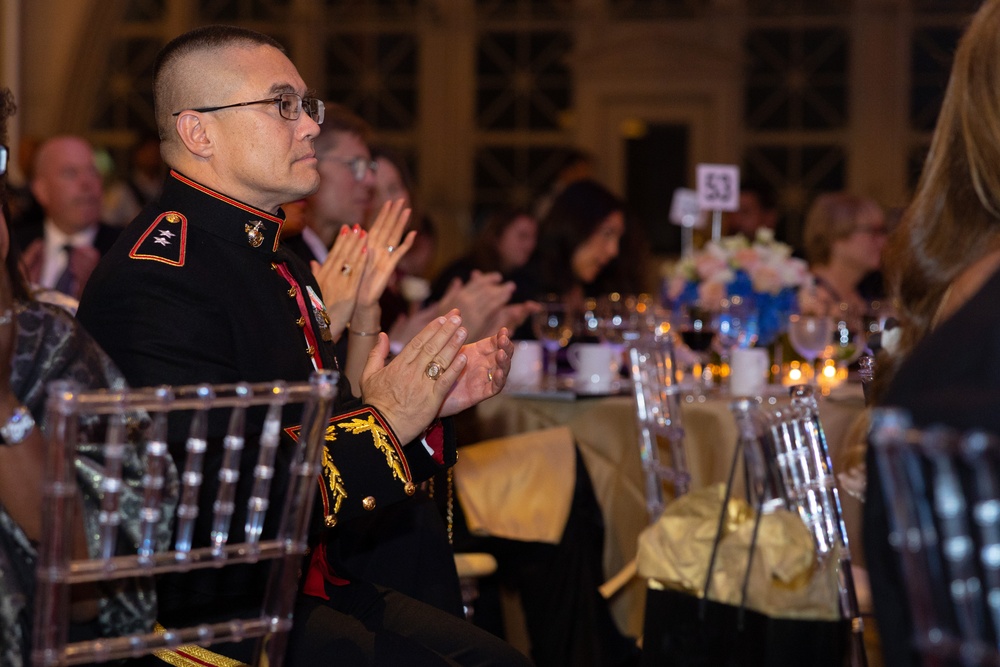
column 52, row 346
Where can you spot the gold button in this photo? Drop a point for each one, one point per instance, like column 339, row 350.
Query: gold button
column 292, row 291
column 301, row 322
column 410, row 488
column 172, row 217
column 368, row 503
column 310, row 349
column 331, row 520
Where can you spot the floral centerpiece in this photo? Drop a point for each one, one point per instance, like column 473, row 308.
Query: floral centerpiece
column 763, row 271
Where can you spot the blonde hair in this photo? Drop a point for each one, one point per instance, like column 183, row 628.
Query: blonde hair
column 833, row 216
column 954, row 218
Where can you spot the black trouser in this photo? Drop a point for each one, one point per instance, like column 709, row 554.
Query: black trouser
column 364, row 624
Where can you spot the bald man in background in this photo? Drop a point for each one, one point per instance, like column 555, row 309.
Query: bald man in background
column 61, row 252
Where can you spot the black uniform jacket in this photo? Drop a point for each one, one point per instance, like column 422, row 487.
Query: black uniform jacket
column 198, row 289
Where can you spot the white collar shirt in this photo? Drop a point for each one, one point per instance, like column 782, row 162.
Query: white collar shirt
column 54, row 258
column 315, row 244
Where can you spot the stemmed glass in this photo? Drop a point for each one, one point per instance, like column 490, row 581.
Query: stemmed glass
column 849, row 339
column 697, row 327
column 624, row 318
column 554, row 324
column 810, row 335
column 737, row 325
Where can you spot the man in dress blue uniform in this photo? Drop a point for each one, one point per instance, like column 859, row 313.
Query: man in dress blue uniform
column 198, row 289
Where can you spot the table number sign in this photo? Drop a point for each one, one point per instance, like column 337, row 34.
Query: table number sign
column 718, row 190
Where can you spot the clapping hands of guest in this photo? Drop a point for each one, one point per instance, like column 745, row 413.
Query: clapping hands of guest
column 339, row 276
column 434, row 375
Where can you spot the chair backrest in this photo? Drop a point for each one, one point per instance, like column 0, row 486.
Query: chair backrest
column 942, row 491
column 139, row 417
column 788, row 465
column 790, row 461
column 658, row 417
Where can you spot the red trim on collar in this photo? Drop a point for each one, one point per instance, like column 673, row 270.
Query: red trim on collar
column 232, row 202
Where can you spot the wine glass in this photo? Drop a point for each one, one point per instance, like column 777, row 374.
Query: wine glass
column 697, row 327
column 848, row 337
column 553, row 325
column 625, row 318
column 737, row 325
column 810, row 335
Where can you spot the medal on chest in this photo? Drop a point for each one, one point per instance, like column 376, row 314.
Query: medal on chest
column 322, row 317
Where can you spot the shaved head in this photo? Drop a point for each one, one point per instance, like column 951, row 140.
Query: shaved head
column 189, row 73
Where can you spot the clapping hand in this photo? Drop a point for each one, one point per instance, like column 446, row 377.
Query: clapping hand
column 484, row 375
column 435, row 375
column 410, row 390
column 339, row 276
column 386, row 246
column 479, row 300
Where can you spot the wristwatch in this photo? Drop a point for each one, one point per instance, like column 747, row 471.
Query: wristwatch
column 18, row 427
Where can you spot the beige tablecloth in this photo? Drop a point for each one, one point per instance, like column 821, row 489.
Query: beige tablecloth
column 605, row 431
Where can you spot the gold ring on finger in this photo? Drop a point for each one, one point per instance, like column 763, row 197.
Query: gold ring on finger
column 346, row 269
column 434, row 370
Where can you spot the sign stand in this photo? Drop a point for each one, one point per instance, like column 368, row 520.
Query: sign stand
column 718, row 191
column 684, row 211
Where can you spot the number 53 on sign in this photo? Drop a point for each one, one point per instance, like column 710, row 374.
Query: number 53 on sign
column 718, row 187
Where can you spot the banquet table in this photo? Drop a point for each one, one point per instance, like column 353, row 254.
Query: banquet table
column 605, row 432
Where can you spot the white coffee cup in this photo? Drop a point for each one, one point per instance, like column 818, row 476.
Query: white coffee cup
column 596, row 367
column 525, row 365
column 748, row 369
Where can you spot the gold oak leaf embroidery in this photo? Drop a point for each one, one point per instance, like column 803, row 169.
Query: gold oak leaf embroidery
column 333, row 479
column 381, row 441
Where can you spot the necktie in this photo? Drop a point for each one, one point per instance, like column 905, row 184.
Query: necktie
column 65, row 283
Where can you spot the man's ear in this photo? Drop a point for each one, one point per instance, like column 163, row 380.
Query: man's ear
column 193, row 133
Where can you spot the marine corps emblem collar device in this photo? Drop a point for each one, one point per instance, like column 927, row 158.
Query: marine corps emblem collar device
column 254, row 236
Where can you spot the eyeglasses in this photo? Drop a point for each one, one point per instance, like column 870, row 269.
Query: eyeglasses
column 359, row 166
column 290, row 106
column 4, row 154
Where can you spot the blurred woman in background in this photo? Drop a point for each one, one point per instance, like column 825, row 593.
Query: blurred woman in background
column 844, row 238
column 579, row 241
column 40, row 343
column 504, row 245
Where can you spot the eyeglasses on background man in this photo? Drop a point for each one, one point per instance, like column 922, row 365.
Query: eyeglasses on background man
column 359, row 166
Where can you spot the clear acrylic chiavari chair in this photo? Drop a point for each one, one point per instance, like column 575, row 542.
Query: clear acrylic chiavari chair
column 140, row 417
column 942, row 491
column 658, row 418
column 788, row 465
